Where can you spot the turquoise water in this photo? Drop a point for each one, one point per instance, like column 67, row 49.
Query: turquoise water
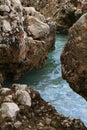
column 53, row 88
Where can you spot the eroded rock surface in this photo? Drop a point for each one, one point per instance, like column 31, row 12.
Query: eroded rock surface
column 15, row 114
column 25, row 39
column 74, row 57
column 64, row 12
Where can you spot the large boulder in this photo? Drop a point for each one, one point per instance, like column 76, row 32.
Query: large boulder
column 74, row 57
column 15, row 114
column 64, row 12
column 25, row 39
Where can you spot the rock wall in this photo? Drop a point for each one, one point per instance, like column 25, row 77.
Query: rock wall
column 74, row 57
column 22, row 108
column 63, row 12
column 25, row 38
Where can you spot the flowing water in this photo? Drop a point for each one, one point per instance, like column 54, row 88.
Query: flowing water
column 53, row 88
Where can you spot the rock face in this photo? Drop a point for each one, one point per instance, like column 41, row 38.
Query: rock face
column 15, row 114
column 25, row 39
column 64, row 12
column 74, row 57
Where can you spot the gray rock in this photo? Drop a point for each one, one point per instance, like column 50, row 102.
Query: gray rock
column 9, row 110
column 3, row 91
column 4, row 8
column 6, row 26
column 21, row 95
column 37, row 28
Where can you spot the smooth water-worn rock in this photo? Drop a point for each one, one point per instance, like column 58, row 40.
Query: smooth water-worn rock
column 40, row 115
column 74, row 57
column 25, row 39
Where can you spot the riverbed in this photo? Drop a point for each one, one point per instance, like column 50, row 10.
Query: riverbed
column 48, row 81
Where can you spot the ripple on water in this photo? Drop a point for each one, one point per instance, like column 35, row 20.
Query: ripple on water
column 53, row 88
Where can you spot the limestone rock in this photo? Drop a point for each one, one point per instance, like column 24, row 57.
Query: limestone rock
column 6, row 26
column 37, row 28
column 4, row 91
column 74, row 57
column 9, row 110
column 32, row 12
column 8, row 98
column 4, row 8
column 64, row 12
column 21, row 94
column 16, row 2
column 41, row 115
column 18, row 53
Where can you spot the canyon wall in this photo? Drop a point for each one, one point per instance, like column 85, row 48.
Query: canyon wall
column 26, row 37
column 74, row 57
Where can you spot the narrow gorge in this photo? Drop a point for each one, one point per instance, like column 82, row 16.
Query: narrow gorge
column 34, row 50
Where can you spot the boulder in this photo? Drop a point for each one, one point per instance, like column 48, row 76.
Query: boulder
column 21, row 95
column 18, row 25
column 37, row 28
column 39, row 116
column 74, row 57
column 9, row 110
column 63, row 12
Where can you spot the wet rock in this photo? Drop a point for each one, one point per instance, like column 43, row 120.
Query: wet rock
column 39, row 116
column 74, row 57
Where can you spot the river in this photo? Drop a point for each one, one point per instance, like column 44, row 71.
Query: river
column 48, row 81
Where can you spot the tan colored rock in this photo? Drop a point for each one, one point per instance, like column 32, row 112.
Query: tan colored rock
column 21, row 94
column 41, row 115
column 64, row 12
column 32, row 12
column 8, row 98
column 18, row 53
column 74, row 57
column 4, row 91
column 23, row 97
column 37, row 28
